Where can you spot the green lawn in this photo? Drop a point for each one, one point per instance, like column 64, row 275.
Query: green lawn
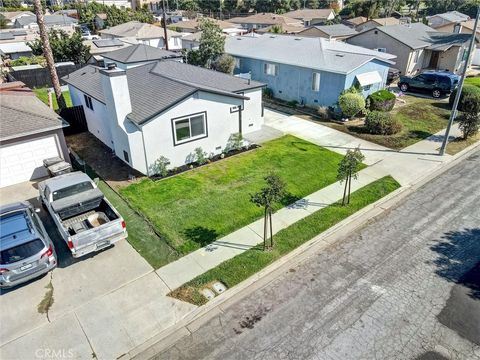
column 197, row 207
column 473, row 81
column 241, row 267
column 420, row 117
column 42, row 94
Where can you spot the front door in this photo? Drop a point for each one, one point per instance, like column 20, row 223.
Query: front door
column 434, row 60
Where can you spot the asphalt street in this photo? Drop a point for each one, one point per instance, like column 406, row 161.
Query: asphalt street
column 405, row 286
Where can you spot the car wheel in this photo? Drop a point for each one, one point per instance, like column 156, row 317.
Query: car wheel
column 404, row 87
column 436, row 93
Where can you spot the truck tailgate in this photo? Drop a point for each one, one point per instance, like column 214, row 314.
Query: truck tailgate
column 98, row 235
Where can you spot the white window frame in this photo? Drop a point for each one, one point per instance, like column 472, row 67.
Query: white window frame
column 191, row 138
column 237, row 63
column 316, row 78
column 270, row 69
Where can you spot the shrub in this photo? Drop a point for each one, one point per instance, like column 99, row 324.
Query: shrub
column 235, row 142
column 382, row 100
column 351, row 104
column 382, row 123
column 469, row 120
column 160, row 166
column 267, row 93
column 293, row 103
column 468, row 91
column 200, row 156
column 224, row 63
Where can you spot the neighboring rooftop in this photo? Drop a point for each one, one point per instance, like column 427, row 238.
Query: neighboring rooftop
column 9, row 15
column 310, row 14
column 139, row 53
column 194, row 25
column 286, row 29
column 336, row 30
column 418, row 36
column 307, row 52
column 166, row 83
column 451, row 17
column 24, row 114
column 357, row 20
column 102, row 46
column 388, row 21
column 14, row 47
column 50, row 20
column 265, row 19
column 138, row 30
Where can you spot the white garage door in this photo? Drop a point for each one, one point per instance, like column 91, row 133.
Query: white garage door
column 23, row 161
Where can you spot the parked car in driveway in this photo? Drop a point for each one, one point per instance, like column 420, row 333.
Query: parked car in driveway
column 26, row 249
column 393, row 75
column 437, row 83
column 85, row 219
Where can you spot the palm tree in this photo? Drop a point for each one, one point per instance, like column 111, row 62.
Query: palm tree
column 47, row 52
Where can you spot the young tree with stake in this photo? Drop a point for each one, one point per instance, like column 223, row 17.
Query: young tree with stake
column 348, row 168
column 270, row 194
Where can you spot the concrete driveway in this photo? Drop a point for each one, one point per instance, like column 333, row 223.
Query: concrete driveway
column 104, row 304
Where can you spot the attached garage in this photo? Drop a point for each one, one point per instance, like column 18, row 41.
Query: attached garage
column 29, row 133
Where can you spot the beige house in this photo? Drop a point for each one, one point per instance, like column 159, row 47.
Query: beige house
column 373, row 23
column 336, row 31
column 311, row 17
column 417, row 47
column 263, row 20
column 465, row 27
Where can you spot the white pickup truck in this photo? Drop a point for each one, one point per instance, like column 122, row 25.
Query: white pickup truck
column 84, row 217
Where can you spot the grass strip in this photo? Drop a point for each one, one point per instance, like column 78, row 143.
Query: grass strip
column 241, row 267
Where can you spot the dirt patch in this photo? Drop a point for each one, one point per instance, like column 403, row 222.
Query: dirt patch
column 102, row 160
column 47, row 301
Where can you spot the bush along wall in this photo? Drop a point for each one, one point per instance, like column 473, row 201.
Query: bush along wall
column 382, row 100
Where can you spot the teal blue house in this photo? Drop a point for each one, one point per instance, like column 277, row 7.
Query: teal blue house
column 311, row 71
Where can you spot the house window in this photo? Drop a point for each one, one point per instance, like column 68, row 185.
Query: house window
column 270, row 69
column 237, row 63
column 126, row 157
column 189, row 128
column 367, row 87
column 88, row 102
column 316, row 81
column 175, row 41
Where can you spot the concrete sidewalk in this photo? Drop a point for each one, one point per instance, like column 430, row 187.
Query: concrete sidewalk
column 206, row 258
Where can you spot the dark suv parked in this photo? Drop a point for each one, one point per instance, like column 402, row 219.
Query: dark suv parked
column 436, row 83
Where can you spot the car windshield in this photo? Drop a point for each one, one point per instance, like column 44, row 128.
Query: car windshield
column 21, row 252
column 72, row 190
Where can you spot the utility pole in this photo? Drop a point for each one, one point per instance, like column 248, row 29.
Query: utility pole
column 164, row 25
column 47, row 52
column 453, row 114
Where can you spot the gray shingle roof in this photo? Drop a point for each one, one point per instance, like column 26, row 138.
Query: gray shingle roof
column 50, row 20
column 337, row 30
column 203, row 78
column 418, row 36
column 139, row 53
column 453, row 16
column 306, row 52
column 23, row 115
column 156, row 87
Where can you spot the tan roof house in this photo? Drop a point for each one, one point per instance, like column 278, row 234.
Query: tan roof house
column 12, row 16
column 372, row 23
column 417, row 46
column 262, row 20
column 354, row 22
column 336, row 31
column 312, row 16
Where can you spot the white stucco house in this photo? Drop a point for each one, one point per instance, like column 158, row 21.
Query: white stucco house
column 165, row 108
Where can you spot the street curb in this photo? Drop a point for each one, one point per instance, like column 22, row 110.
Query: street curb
column 191, row 322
